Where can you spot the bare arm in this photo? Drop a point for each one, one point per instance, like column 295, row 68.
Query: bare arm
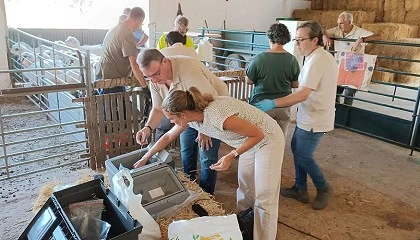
column 143, row 40
column 300, row 95
column 155, row 117
column 242, row 127
column 143, row 134
column 164, row 141
column 372, row 37
column 249, row 81
column 295, row 84
column 137, row 73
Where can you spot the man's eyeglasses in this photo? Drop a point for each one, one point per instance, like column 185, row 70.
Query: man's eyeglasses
column 157, row 73
column 298, row 41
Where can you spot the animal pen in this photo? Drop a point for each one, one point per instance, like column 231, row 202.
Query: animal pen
column 97, row 127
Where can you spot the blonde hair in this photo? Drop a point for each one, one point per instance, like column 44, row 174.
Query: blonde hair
column 189, row 100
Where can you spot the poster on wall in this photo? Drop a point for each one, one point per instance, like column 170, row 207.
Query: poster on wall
column 355, row 69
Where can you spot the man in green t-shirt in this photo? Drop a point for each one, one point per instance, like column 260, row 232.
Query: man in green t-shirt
column 118, row 59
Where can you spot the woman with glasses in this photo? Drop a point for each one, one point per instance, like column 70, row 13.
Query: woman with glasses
column 274, row 73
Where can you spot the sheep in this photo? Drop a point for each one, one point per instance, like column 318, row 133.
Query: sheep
column 93, row 49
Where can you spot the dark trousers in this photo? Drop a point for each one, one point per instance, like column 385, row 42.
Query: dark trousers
column 348, row 92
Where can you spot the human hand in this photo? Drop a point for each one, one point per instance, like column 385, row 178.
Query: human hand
column 204, row 142
column 266, row 104
column 327, row 41
column 147, row 92
column 357, row 45
column 143, row 135
column 141, row 162
column 223, row 163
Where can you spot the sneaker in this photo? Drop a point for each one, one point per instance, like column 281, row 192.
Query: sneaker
column 296, row 193
column 322, row 198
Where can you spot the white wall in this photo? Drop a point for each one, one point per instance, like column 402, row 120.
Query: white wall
column 237, row 14
column 4, row 78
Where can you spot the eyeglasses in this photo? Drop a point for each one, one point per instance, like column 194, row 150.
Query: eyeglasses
column 298, row 41
column 157, row 73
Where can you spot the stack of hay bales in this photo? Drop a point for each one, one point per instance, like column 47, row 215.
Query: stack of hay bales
column 404, row 52
column 392, row 31
column 351, row 5
column 397, row 21
column 328, row 19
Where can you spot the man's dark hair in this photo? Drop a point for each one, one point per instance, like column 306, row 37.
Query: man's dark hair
column 315, row 30
column 137, row 13
column 175, row 37
column 278, row 33
column 146, row 56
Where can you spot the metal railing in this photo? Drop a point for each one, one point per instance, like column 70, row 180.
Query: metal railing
column 43, row 132
column 390, row 99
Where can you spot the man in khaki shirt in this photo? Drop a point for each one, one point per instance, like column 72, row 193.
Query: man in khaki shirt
column 167, row 74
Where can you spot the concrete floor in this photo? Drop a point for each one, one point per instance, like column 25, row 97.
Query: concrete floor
column 376, row 191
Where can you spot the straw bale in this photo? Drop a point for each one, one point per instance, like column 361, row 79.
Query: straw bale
column 394, row 11
column 408, row 80
column 413, row 18
column 329, row 18
column 368, row 5
column 316, row 4
column 392, row 31
column 334, row 4
column 383, row 76
column 412, row 5
column 405, row 52
column 305, row 14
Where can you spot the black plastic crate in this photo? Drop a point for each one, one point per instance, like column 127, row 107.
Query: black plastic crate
column 52, row 222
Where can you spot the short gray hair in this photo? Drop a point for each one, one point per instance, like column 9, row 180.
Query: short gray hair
column 146, row 56
column 181, row 20
column 315, row 30
column 347, row 16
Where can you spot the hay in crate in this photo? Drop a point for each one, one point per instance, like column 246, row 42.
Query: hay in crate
column 207, row 201
column 383, row 76
column 392, row 31
column 394, row 11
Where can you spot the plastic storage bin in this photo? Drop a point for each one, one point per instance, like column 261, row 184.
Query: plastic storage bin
column 52, row 222
column 160, row 188
column 127, row 160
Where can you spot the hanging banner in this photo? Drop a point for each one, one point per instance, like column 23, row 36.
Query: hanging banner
column 355, row 69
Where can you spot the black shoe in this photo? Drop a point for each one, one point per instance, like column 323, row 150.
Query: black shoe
column 296, row 193
column 322, row 198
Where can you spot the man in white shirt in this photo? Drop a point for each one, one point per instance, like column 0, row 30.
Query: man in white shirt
column 167, row 74
column 315, row 116
column 346, row 29
column 175, row 46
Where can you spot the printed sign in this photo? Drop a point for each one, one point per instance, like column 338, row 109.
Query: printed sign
column 355, row 69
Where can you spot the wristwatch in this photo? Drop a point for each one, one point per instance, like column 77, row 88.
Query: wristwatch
column 235, row 153
column 151, row 130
